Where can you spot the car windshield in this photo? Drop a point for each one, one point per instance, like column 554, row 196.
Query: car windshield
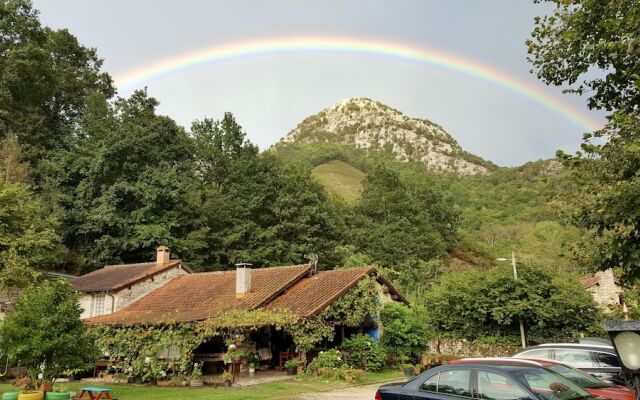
column 549, row 385
column 578, row 377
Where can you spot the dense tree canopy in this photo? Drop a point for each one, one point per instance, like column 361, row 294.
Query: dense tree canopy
column 490, row 303
column 594, row 47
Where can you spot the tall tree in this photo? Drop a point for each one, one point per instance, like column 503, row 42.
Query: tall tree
column 594, row 47
column 128, row 177
column 45, row 75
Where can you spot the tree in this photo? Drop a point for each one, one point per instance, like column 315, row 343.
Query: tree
column 28, row 235
column 401, row 222
column 405, row 332
column 491, row 302
column 595, row 44
column 45, row 333
column 128, row 180
column 45, row 75
column 598, row 42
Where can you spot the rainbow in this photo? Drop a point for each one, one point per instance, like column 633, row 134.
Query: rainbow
column 269, row 46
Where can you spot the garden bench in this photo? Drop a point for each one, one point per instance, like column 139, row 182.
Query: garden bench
column 91, row 391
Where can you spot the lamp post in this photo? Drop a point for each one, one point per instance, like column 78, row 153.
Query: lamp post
column 523, row 337
column 625, row 336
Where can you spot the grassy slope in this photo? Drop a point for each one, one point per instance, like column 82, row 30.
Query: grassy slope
column 340, row 178
column 274, row 390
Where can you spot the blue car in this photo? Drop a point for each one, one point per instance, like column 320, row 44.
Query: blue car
column 485, row 382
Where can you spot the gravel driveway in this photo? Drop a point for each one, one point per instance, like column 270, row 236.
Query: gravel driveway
column 354, row 393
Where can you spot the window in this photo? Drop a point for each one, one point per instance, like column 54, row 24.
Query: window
column 493, row 386
column 98, row 304
column 549, row 385
column 536, row 353
column 431, row 384
column 575, row 358
column 607, row 360
column 455, row 382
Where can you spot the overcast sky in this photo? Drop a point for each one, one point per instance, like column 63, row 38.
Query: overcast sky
column 270, row 94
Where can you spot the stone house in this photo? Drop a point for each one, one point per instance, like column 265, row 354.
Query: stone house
column 299, row 289
column 115, row 287
column 604, row 288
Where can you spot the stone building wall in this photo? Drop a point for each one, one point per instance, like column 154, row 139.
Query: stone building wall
column 8, row 298
column 122, row 298
column 606, row 292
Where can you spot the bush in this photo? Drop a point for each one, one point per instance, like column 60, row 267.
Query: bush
column 364, row 353
column 326, row 360
column 405, row 333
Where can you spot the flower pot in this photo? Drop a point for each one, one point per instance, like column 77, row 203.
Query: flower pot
column 292, row 371
column 196, row 382
column 426, row 360
column 417, row 370
column 408, row 372
column 10, row 396
column 227, row 383
column 163, row 382
column 137, row 380
column 57, row 396
column 31, row 396
column 153, row 381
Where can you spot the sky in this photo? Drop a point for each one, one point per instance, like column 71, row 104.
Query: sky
column 272, row 90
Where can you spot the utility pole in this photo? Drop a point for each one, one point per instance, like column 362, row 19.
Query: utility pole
column 523, row 338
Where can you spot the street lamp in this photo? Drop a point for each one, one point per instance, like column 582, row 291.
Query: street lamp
column 625, row 336
column 523, row 338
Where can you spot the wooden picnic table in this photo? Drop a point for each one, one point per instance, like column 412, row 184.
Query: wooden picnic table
column 92, row 396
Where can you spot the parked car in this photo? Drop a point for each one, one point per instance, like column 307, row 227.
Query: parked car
column 586, row 381
column 599, row 360
column 487, row 381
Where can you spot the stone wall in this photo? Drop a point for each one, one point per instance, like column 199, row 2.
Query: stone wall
column 461, row 348
column 122, row 298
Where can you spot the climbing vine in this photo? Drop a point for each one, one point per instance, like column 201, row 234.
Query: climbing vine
column 137, row 350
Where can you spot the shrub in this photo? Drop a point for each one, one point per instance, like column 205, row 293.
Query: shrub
column 364, row 353
column 404, row 334
column 330, row 359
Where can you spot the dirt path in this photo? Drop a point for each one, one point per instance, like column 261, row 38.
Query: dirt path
column 353, row 393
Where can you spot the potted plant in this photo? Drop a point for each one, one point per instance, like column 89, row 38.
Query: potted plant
column 252, row 362
column 418, row 368
column 234, row 356
column 58, row 393
column 227, row 378
column 425, row 360
column 196, row 376
column 292, row 366
column 408, row 370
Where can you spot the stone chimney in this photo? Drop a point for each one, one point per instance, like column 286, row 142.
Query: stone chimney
column 163, row 254
column 243, row 279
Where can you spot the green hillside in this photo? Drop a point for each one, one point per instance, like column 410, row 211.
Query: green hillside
column 340, row 179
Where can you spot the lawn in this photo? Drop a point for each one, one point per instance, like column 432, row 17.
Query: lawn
column 274, row 390
column 340, row 178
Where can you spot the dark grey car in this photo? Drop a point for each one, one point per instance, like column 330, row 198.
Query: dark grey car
column 485, row 382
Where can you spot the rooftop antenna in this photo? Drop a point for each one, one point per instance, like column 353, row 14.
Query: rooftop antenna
column 313, row 260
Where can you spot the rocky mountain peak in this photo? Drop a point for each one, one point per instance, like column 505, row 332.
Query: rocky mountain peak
column 372, row 125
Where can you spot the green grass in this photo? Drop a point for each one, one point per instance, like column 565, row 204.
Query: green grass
column 340, row 178
column 274, row 390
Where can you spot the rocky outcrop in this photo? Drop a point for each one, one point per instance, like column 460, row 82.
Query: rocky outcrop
column 371, row 125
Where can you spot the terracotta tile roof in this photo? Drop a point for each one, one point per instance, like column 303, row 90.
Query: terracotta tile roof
column 311, row 295
column 116, row 277
column 200, row 296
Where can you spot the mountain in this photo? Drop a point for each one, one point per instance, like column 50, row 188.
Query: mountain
column 371, row 125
